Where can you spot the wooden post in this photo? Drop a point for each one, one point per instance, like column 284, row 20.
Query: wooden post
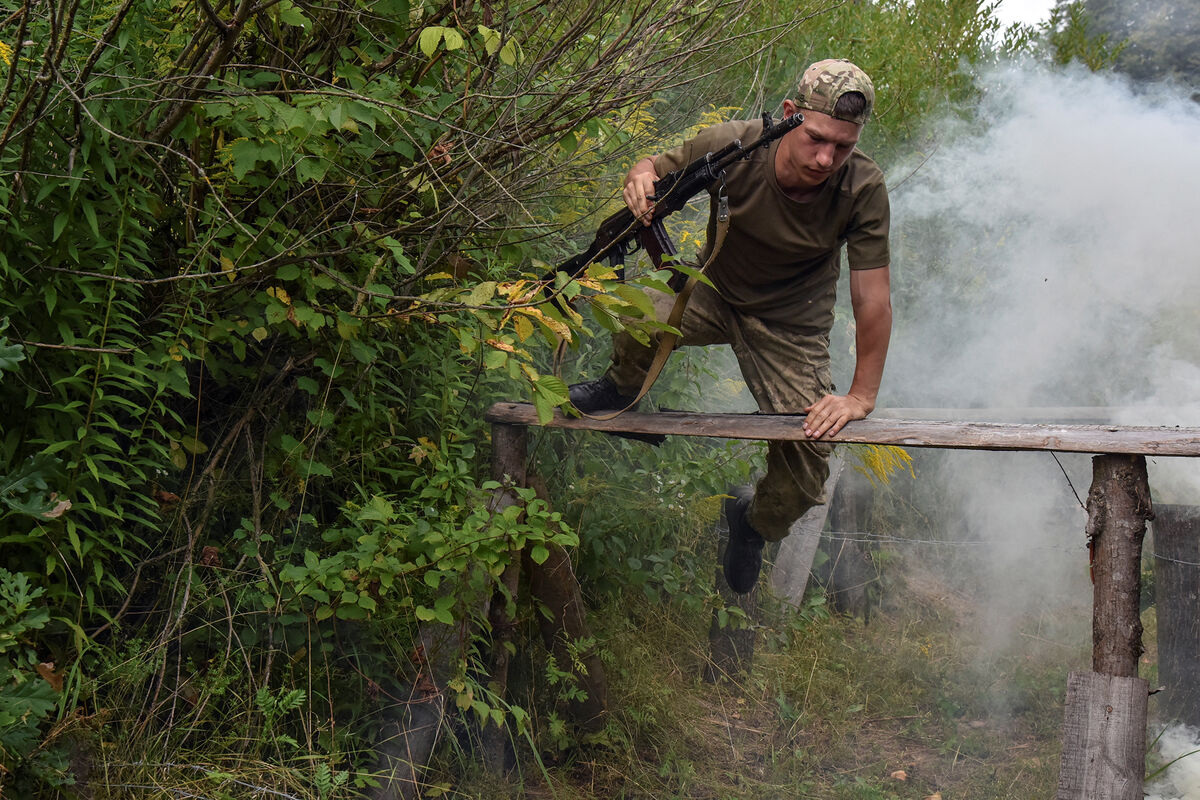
column 412, row 722
column 793, row 563
column 1177, row 598
column 1104, row 723
column 553, row 584
column 848, row 571
column 508, row 467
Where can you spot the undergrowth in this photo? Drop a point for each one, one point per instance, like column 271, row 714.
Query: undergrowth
column 911, row 705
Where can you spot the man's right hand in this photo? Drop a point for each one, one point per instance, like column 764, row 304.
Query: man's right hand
column 639, row 185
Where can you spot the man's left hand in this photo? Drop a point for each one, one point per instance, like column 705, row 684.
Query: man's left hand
column 832, row 411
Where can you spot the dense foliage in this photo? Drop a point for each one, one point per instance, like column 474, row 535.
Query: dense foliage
column 1148, row 39
column 262, row 265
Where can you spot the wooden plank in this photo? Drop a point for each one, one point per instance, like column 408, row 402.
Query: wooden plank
column 793, row 563
column 1117, row 439
column 1104, row 738
column 1085, row 415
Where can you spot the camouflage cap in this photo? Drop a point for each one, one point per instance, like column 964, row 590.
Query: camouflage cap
column 824, row 83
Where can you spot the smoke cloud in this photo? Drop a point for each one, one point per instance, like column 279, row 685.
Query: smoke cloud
column 1049, row 256
column 1046, row 255
column 1181, row 781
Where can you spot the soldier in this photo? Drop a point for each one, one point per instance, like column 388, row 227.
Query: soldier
column 792, row 207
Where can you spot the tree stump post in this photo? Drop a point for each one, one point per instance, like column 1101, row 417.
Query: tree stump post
column 1177, row 598
column 1104, row 723
column 848, row 572
column 509, row 445
column 794, row 561
column 412, row 722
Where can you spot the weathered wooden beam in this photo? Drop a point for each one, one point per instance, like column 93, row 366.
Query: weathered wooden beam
column 1112, row 439
column 1085, row 415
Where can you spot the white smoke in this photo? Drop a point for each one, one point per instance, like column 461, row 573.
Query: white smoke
column 1046, row 255
column 1178, row 747
column 1053, row 259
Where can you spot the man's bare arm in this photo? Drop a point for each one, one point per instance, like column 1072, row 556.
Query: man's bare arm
column 871, row 299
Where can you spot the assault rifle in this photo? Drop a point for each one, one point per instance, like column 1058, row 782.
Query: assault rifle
column 621, row 234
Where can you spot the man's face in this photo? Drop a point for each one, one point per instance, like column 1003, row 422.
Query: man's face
column 810, row 154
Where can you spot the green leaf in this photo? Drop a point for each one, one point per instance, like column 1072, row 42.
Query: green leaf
column 90, row 213
column 60, row 222
column 10, row 355
column 638, row 299
column 429, row 39
column 453, row 39
column 510, row 53
column 491, row 39
column 539, row 553
column 544, row 408
column 555, row 387
column 481, row 293
column 245, row 154
column 346, row 611
column 289, row 14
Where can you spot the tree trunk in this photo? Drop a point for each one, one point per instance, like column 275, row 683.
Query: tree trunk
column 1118, row 508
column 508, row 467
column 413, row 720
column 1104, row 723
column 552, row 583
column 1104, row 733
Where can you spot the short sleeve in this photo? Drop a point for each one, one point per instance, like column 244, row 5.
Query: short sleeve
column 867, row 233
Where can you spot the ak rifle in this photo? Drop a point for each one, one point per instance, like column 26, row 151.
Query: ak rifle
column 622, row 234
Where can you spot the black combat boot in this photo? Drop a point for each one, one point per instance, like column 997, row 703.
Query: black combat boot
column 598, row 395
column 743, row 553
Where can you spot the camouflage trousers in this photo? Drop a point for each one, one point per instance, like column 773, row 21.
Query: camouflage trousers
column 785, row 369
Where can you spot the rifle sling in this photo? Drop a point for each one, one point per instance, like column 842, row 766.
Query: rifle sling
column 667, row 340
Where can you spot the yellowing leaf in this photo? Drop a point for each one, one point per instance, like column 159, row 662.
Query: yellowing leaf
column 499, row 345
column 55, row 679
column 193, row 445
column 523, row 327
column 452, row 38
column 280, row 294
column 560, row 329
column 227, row 268
column 259, row 333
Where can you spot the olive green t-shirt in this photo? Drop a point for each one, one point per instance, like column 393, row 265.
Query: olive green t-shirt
column 780, row 260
